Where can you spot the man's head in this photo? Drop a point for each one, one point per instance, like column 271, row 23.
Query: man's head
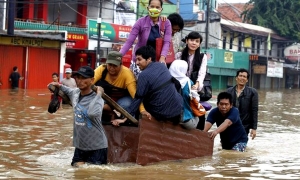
column 176, row 22
column 224, row 102
column 68, row 73
column 55, row 77
column 15, row 68
column 114, row 62
column 242, row 76
column 144, row 56
column 84, row 77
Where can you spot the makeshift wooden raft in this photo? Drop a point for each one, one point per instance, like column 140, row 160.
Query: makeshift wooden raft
column 153, row 141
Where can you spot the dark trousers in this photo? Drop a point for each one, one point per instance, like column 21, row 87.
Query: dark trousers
column 201, row 122
column 97, row 157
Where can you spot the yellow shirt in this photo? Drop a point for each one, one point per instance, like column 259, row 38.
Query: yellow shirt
column 124, row 80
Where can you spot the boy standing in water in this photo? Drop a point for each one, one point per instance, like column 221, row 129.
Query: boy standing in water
column 55, row 78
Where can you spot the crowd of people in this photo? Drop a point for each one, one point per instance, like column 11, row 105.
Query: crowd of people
column 151, row 90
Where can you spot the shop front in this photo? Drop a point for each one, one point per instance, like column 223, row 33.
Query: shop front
column 36, row 59
column 223, row 64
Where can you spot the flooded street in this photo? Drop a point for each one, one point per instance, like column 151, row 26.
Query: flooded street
column 37, row 145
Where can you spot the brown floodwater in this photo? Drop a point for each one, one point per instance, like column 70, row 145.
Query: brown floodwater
column 37, row 145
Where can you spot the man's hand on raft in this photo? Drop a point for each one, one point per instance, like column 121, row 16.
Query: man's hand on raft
column 145, row 113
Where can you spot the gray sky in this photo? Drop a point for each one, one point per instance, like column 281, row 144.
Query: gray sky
column 233, row 1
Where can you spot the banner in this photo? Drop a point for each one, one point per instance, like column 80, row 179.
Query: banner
column 125, row 13
column 109, row 32
column 79, row 41
column 275, row 69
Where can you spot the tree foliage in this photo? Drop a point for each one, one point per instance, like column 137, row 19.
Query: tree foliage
column 283, row 16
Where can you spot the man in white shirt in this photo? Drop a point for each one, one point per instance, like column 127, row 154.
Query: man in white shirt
column 69, row 81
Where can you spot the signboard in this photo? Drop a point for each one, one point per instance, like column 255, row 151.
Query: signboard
column 109, row 32
column 228, row 57
column 275, row 69
column 32, row 42
column 292, row 52
column 259, row 69
column 125, row 13
column 79, row 41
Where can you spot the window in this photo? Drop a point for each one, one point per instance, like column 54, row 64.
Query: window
column 231, row 43
column 240, row 45
column 224, row 42
column 258, row 46
column 252, row 46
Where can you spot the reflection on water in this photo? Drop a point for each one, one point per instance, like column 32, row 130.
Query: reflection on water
column 35, row 144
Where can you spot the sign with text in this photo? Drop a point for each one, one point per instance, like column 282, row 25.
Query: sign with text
column 79, row 41
column 125, row 13
column 109, row 32
column 33, row 42
column 228, row 57
column 292, row 52
column 259, row 69
column 275, row 69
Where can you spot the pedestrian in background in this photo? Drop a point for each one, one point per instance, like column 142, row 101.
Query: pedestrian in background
column 14, row 78
column 245, row 98
column 68, row 80
column 55, row 78
column 177, row 26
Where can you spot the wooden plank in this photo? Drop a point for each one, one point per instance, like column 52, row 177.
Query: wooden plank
column 104, row 96
column 159, row 141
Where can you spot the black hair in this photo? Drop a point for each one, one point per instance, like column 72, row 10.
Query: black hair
column 224, row 95
column 146, row 52
column 161, row 2
column 176, row 19
column 55, row 74
column 15, row 68
column 197, row 57
column 241, row 71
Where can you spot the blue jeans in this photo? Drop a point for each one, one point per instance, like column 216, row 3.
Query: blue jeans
column 125, row 102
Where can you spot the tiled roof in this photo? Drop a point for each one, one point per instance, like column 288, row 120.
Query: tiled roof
column 232, row 11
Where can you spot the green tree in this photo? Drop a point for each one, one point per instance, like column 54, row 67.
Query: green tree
column 283, row 16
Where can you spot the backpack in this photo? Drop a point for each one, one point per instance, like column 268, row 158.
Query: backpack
column 54, row 103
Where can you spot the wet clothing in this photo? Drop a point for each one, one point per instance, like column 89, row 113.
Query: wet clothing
column 88, row 130
column 97, row 157
column 14, row 76
column 163, row 103
column 240, row 147
column 235, row 133
column 247, row 103
column 123, row 86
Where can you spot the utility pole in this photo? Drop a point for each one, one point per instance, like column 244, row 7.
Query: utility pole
column 11, row 17
column 177, row 8
column 207, row 23
column 99, row 34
